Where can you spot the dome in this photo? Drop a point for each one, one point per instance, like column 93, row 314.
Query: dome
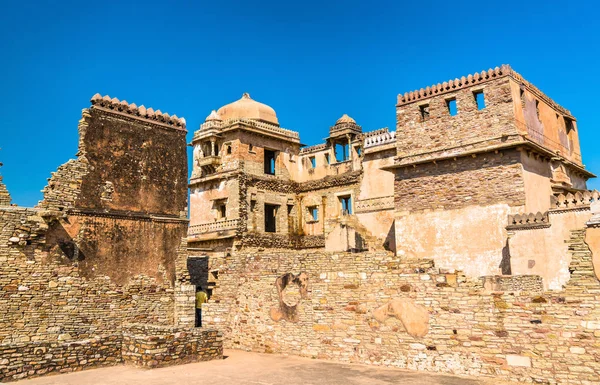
column 248, row 108
column 345, row 119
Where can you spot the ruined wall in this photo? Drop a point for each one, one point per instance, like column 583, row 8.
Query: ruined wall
column 124, row 196
column 47, row 296
column 4, row 194
column 377, row 309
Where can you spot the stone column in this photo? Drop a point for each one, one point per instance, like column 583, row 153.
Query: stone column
column 350, row 157
column 212, row 147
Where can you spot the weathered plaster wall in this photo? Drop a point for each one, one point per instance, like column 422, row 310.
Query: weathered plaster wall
column 536, row 178
column 543, row 251
column 368, row 308
column 471, row 239
column 203, row 199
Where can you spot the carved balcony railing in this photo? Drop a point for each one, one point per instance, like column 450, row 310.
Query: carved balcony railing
column 212, row 227
column 380, row 139
column 211, row 160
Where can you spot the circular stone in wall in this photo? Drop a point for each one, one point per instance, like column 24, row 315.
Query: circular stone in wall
column 291, row 295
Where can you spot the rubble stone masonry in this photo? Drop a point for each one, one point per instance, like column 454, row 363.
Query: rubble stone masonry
column 541, row 337
column 484, row 179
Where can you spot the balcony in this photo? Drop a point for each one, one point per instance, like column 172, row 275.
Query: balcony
column 211, row 160
column 214, row 230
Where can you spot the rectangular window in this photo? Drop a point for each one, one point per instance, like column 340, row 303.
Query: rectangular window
column 314, row 212
column 270, row 218
column 346, row 204
column 313, row 162
column 221, row 207
column 358, row 151
column 424, row 109
column 537, row 109
column 327, row 160
column 479, row 99
column 270, row 162
column 451, row 104
column 341, row 152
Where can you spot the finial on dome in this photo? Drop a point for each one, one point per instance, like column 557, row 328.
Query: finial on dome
column 213, row 116
column 246, row 96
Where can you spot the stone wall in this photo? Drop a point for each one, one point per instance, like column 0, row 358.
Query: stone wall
column 4, row 194
column 484, row 179
column 378, row 309
column 46, row 296
column 153, row 347
column 34, row 359
column 441, row 134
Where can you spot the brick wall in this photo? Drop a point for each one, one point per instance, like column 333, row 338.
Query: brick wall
column 4, row 195
column 525, row 336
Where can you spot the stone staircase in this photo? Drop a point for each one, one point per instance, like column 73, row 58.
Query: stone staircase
column 368, row 240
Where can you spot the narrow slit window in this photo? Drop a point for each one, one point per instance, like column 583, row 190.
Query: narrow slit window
column 314, row 213
column 537, row 108
column 250, row 148
column 451, row 104
column 479, row 99
column 228, row 149
column 327, row 160
column 313, row 162
column 424, row 109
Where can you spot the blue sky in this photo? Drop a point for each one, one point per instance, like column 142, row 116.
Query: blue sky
column 311, row 61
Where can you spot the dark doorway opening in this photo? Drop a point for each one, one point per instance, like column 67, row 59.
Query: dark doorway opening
column 270, row 218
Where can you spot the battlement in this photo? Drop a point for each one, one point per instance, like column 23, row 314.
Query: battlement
column 528, row 221
column 574, row 201
column 473, row 80
column 122, row 107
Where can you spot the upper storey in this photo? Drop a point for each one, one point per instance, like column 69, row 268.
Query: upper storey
column 492, row 109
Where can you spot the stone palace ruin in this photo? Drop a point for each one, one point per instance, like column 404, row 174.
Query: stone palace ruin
column 464, row 242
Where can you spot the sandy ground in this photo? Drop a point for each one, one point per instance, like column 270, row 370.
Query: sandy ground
column 257, row 369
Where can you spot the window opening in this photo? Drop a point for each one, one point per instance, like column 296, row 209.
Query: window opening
column 270, row 162
column 341, row 152
column 270, row 218
column 424, row 109
column 479, row 99
column 451, row 104
column 346, row 204
column 314, row 212
column 313, row 162
column 327, row 160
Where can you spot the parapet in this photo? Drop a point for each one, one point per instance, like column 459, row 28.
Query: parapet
column 473, row 80
column 122, row 107
column 528, row 221
column 574, row 201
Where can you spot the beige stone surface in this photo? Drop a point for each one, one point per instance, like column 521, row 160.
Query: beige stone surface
column 258, row 369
